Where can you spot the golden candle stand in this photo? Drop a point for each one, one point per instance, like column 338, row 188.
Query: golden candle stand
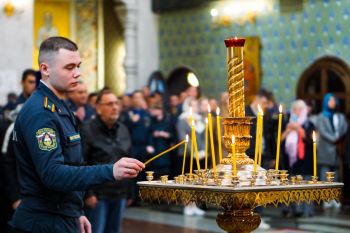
column 238, row 195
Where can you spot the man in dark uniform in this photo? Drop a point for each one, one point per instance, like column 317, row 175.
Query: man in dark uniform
column 28, row 85
column 47, row 146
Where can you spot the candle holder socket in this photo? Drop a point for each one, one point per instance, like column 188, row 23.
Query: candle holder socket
column 299, row 179
column 149, row 175
column 330, row 177
column 164, row 179
column 283, row 177
column 293, row 180
column 235, row 180
column 253, row 178
column 270, row 175
column 177, row 180
column 313, row 180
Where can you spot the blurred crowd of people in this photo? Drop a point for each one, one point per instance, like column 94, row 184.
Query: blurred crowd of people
column 146, row 122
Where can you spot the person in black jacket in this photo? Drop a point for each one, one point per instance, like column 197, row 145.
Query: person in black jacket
column 106, row 141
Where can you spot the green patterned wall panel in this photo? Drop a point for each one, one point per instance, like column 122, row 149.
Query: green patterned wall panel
column 290, row 43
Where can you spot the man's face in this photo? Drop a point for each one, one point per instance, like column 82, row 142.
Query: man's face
column 138, row 100
column 80, row 95
column 262, row 101
column 28, row 85
column 109, row 108
column 63, row 70
column 174, row 100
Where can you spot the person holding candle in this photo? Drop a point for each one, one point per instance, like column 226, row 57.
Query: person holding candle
column 297, row 148
column 331, row 126
column 183, row 127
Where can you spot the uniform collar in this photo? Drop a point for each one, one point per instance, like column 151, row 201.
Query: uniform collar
column 61, row 107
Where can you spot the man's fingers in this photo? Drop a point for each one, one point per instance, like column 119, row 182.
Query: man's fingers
column 135, row 161
column 88, row 227
column 128, row 171
column 82, row 227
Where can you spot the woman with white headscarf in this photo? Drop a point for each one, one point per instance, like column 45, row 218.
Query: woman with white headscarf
column 297, row 139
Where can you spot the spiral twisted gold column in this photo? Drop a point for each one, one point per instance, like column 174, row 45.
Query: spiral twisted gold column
column 235, row 71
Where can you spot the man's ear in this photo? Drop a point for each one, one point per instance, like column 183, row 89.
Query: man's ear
column 44, row 69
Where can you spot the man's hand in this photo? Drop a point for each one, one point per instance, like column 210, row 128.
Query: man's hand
column 85, row 226
column 91, row 201
column 127, row 168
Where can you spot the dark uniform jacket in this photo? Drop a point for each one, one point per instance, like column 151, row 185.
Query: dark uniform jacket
column 52, row 177
column 140, row 131
column 106, row 146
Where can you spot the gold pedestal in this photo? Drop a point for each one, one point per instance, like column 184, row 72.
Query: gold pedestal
column 238, row 203
column 240, row 127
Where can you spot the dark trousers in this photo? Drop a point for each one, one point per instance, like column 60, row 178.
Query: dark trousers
column 54, row 224
column 106, row 216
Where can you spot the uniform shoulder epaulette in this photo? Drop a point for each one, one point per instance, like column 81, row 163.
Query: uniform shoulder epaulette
column 49, row 105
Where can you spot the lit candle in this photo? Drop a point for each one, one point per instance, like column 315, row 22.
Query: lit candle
column 218, row 125
column 190, row 119
column 192, row 147
column 233, row 156
column 164, row 152
column 210, row 121
column 314, row 150
column 261, row 132
column 195, row 146
column 184, row 158
column 279, row 137
column 257, row 133
column 206, row 143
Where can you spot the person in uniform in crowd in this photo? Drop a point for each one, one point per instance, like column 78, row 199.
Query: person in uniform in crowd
column 92, row 99
column 47, row 146
column 138, row 121
column 28, row 85
column 162, row 136
column 332, row 127
column 105, row 141
column 78, row 103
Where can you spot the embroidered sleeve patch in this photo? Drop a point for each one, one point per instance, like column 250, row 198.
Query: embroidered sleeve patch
column 46, row 139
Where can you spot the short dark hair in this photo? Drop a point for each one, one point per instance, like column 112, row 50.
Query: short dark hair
column 54, row 44
column 263, row 93
column 101, row 94
column 28, row 72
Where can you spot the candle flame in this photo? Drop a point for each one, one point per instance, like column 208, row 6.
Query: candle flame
column 280, row 108
column 313, row 136
column 209, row 109
column 206, row 120
column 193, row 123
column 191, row 110
column 235, row 37
column 260, row 110
column 186, row 138
column 217, row 111
column 233, row 139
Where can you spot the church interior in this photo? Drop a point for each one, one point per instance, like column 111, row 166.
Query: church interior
column 170, row 51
